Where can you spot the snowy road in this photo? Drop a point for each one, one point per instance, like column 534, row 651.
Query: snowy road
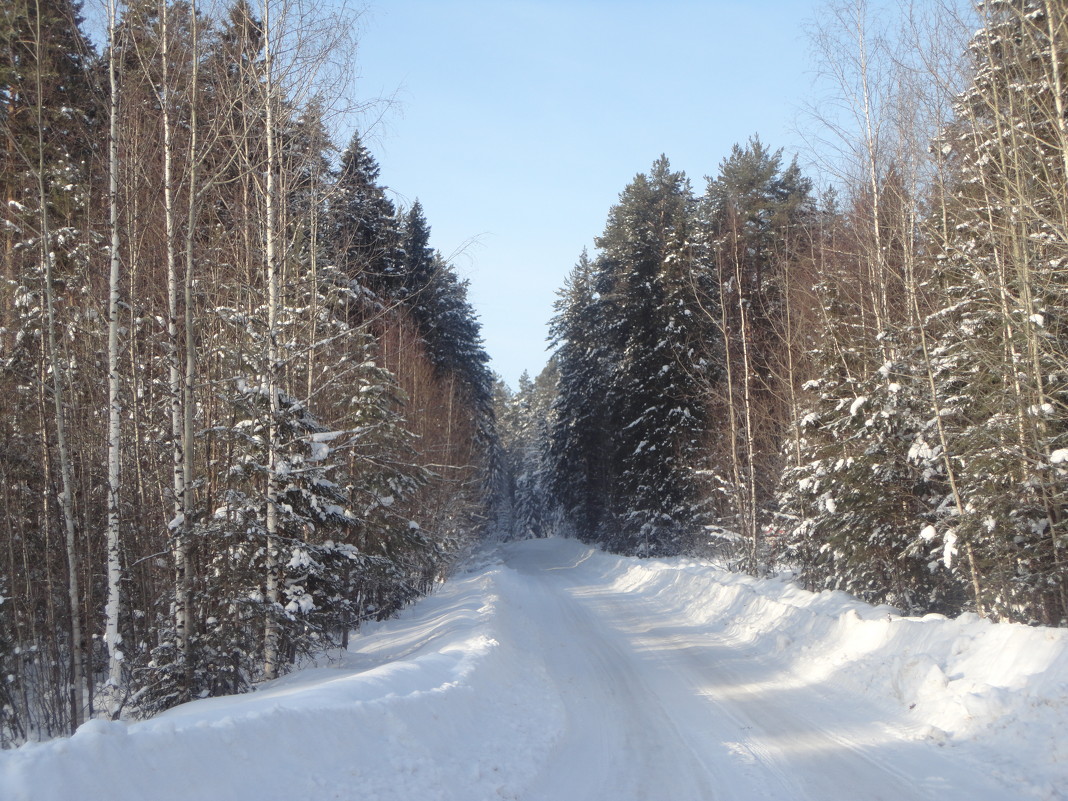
column 553, row 672
column 657, row 710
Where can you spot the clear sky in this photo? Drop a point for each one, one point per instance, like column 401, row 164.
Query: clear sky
column 519, row 122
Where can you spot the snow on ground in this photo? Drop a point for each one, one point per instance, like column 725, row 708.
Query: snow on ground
column 554, row 672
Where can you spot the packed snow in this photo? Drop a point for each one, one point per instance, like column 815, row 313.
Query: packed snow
column 554, row 672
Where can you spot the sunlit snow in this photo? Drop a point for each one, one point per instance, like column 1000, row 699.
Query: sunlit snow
column 553, row 672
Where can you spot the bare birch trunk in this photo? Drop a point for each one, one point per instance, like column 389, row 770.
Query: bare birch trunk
column 271, row 649
column 880, row 303
column 176, row 378
column 114, row 564
column 749, row 525
column 737, row 495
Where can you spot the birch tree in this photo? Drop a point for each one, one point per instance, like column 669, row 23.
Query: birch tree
column 114, row 431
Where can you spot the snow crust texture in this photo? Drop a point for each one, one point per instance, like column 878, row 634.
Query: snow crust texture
column 555, row 672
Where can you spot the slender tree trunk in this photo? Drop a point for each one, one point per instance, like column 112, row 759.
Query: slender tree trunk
column 114, row 565
column 313, row 255
column 750, row 528
column 737, row 492
column 78, row 691
column 789, row 335
column 175, row 350
column 879, row 273
column 272, row 634
column 183, row 561
column 1057, row 30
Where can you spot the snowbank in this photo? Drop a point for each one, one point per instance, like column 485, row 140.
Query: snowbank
column 1000, row 691
column 421, row 707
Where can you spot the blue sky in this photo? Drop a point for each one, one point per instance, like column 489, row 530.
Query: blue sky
column 519, row 122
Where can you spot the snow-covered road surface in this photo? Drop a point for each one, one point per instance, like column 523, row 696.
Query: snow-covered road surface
column 553, row 672
column 659, row 709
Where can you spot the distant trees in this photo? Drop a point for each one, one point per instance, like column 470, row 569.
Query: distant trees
column 242, row 416
column 526, row 502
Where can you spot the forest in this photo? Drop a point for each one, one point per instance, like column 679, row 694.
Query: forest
column 247, row 405
column 863, row 384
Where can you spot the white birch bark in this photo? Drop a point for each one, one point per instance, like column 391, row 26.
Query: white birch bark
column 175, row 350
column 271, row 638
column 114, row 564
column 749, row 524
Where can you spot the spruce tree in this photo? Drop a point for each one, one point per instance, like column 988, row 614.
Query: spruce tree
column 578, row 436
column 364, row 236
column 628, row 420
column 1003, row 337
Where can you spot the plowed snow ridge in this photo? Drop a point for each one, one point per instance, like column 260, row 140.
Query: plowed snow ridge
column 554, row 672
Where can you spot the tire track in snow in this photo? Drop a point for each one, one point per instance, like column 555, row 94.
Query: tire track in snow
column 659, row 707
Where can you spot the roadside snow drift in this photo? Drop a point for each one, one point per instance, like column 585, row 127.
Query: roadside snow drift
column 556, row 672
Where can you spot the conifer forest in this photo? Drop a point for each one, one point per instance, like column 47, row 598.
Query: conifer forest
column 245, row 404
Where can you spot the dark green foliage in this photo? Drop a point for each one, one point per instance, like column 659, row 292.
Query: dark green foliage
column 870, row 491
column 448, row 326
column 61, row 62
column 364, row 237
column 578, row 437
column 628, row 420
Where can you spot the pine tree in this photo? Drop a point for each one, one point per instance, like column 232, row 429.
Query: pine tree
column 751, row 213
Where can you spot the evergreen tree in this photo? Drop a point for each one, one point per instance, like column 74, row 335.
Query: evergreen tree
column 419, row 263
column 364, row 237
column 452, row 337
column 751, row 215
column 628, row 421
column 45, row 63
column 578, row 436
column 524, row 420
column 1004, row 336
column 503, row 497
column 869, row 488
